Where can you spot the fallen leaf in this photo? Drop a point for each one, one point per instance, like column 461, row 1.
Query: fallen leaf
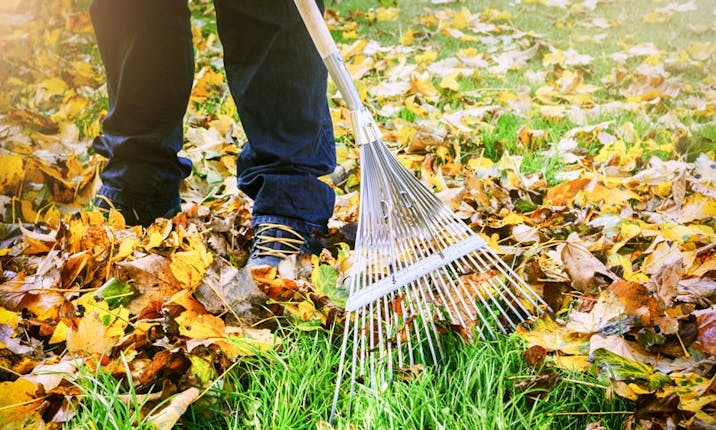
column 584, row 269
column 546, row 333
column 90, row 336
column 152, row 277
column 706, row 322
column 19, row 406
column 167, row 417
column 200, row 326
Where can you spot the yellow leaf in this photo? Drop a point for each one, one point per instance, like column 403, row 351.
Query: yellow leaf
column 11, row 173
column 28, row 213
column 413, row 107
column 306, row 310
column 493, row 242
column 450, row 82
column 545, row 94
column 423, row 87
column 426, row 57
column 200, row 326
column 461, row 19
column 383, row 14
column 480, row 163
column 244, row 341
column 701, row 51
column 546, row 333
column 53, row 87
column 188, row 268
column 496, row 15
column 60, row 333
column 406, row 135
column 126, row 247
column 90, row 336
column 572, row 363
column 350, row 35
column 555, row 57
column 19, row 410
column 155, row 239
column 8, row 317
column 407, row 38
column 514, row 219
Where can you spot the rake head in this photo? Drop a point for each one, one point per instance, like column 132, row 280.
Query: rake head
column 417, row 268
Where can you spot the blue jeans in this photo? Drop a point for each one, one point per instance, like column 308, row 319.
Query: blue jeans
column 276, row 78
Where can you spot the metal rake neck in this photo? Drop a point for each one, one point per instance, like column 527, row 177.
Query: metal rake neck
column 365, row 129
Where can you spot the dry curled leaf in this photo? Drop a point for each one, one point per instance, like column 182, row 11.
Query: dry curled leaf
column 168, row 416
column 584, row 269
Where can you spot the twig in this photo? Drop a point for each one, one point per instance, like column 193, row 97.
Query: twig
column 683, row 347
column 589, row 384
column 222, row 299
column 556, row 414
column 27, row 402
column 228, row 369
column 8, row 370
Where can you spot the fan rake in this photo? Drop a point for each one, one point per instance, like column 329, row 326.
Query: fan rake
column 416, row 265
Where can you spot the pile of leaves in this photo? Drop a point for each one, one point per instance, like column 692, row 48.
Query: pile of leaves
column 600, row 189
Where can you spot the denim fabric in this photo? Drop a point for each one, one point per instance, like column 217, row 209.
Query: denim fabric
column 278, row 82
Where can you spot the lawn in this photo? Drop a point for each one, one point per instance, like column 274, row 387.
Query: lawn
column 576, row 137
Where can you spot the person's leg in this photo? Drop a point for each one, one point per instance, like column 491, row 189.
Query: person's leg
column 278, row 81
column 147, row 51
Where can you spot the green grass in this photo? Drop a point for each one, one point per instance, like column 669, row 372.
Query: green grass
column 292, row 388
column 107, row 403
column 473, row 389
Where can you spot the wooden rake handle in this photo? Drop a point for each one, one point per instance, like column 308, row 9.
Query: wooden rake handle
column 313, row 19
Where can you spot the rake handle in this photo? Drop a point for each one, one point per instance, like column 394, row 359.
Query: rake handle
column 313, row 19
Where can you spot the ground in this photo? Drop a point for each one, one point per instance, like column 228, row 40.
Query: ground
column 577, row 138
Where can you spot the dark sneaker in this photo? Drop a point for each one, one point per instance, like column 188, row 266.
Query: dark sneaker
column 275, row 242
column 131, row 215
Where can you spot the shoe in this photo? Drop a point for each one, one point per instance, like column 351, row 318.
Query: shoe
column 275, row 242
column 131, row 215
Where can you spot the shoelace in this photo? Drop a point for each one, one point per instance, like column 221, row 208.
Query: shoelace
column 289, row 245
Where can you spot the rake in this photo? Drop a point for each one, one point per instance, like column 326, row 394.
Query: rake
column 416, row 265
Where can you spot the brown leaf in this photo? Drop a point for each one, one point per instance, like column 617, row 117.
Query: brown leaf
column 226, row 288
column 33, row 120
column 666, row 277
column 410, row 372
column 73, row 267
column 152, row 276
column 534, row 355
column 664, row 411
column 584, row 269
column 706, row 322
column 622, row 307
column 538, row 386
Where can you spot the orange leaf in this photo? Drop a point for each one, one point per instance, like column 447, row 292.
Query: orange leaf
column 564, row 194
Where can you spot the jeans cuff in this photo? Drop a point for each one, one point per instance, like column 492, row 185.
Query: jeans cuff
column 301, row 226
column 141, row 205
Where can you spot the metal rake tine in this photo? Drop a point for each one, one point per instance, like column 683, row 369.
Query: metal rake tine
column 461, row 286
column 339, row 376
column 526, row 290
column 500, row 289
